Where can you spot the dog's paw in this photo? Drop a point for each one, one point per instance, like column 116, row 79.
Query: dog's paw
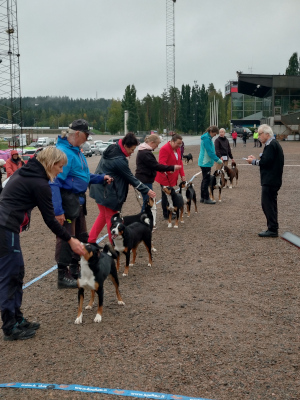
column 182, row 222
column 121, row 303
column 230, row 187
column 124, row 274
column 170, row 225
column 78, row 320
column 220, row 201
column 153, row 249
column 89, row 307
column 98, row 318
column 176, row 226
column 131, row 265
column 149, row 265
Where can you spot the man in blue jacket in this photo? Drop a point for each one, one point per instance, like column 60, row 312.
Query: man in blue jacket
column 69, row 202
column 206, row 160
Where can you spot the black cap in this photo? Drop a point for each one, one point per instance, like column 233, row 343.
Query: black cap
column 80, row 125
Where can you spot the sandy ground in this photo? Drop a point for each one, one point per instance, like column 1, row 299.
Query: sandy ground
column 216, row 317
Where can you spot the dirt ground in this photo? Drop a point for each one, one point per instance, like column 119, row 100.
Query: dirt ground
column 216, row 317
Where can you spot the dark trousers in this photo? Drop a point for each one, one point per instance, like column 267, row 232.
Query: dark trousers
column 205, row 182
column 76, row 228
column 256, row 143
column 11, row 279
column 234, row 142
column 269, row 205
column 145, row 196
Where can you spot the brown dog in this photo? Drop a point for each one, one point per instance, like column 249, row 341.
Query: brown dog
column 230, row 174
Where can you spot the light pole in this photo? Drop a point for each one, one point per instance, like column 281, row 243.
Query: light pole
column 35, row 119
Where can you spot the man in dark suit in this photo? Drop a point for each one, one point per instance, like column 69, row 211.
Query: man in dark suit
column 271, row 168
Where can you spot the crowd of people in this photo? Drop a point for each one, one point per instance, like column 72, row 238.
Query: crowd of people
column 56, row 181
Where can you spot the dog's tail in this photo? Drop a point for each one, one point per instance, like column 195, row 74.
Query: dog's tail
column 145, row 220
column 108, row 249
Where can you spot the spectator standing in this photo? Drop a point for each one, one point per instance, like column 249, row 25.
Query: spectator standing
column 27, row 188
column 206, row 160
column 245, row 137
column 147, row 165
column 222, row 148
column 69, row 201
column 234, row 137
column 170, row 155
column 111, row 199
column 182, row 149
column 271, row 169
column 13, row 163
column 255, row 137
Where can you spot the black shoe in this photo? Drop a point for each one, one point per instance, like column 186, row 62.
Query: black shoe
column 201, row 200
column 268, row 234
column 65, row 280
column 209, row 201
column 29, row 325
column 19, row 334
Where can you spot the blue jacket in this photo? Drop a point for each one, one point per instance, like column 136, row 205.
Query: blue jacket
column 75, row 177
column 207, row 155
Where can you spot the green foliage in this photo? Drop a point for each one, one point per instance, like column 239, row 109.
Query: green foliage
column 129, row 104
column 293, row 67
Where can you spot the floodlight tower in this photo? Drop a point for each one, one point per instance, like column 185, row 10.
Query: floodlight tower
column 170, row 47
column 10, row 89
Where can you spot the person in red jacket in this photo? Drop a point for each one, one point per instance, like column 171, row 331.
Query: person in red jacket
column 13, row 163
column 234, row 137
column 170, row 154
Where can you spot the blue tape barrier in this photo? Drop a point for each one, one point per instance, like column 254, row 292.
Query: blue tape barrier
column 92, row 389
column 98, row 241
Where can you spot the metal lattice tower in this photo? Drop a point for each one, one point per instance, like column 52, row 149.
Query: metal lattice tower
column 10, row 89
column 170, row 48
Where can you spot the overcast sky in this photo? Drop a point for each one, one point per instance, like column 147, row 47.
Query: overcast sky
column 80, row 48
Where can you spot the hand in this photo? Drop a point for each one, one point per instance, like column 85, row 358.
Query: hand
column 151, row 194
column 250, row 159
column 60, row 218
column 176, row 167
column 220, row 161
column 232, row 160
column 183, row 178
column 77, row 246
column 108, row 179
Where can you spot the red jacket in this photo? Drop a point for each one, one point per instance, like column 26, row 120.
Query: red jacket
column 167, row 157
column 11, row 166
column 234, row 135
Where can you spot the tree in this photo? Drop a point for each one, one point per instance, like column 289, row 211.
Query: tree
column 114, row 120
column 129, row 104
column 293, row 67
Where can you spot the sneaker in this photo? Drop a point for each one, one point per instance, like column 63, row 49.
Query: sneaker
column 19, row 334
column 29, row 325
column 268, row 234
column 65, row 280
column 209, row 201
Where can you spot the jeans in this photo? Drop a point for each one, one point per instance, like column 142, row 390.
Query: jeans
column 205, row 182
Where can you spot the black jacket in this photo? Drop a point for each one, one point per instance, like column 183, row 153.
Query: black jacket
column 271, row 165
column 114, row 163
column 222, row 147
column 147, row 165
column 27, row 188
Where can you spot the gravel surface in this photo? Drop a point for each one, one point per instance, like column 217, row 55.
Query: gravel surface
column 216, row 317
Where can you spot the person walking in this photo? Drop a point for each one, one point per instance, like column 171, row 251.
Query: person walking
column 69, row 200
column 111, row 199
column 27, row 188
column 255, row 137
column 222, row 148
column 245, row 137
column 147, row 165
column 234, row 137
column 13, row 163
column 170, row 155
column 271, row 169
column 206, row 160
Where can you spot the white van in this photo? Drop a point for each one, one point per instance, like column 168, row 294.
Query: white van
column 44, row 141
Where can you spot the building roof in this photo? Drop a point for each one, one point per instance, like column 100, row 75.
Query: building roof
column 260, row 85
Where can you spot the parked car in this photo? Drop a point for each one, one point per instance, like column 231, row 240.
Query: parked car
column 35, row 150
column 33, row 144
column 26, row 157
column 113, row 140
column 86, row 149
column 96, row 142
column 95, row 149
column 103, row 146
column 240, row 131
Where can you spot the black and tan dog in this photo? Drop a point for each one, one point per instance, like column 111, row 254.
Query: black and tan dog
column 96, row 266
column 230, row 174
column 188, row 194
column 175, row 204
column 188, row 158
column 127, row 239
column 216, row 182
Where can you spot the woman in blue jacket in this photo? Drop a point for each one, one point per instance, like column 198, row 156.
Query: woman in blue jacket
column 206, row 160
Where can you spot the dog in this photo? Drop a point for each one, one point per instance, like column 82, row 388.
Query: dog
column 175, row 204
column 188, row 193
column 150, row 212
column 217, row 181
column 230, row 174
column 188, row 158
column 127, row 239
column 96, row 266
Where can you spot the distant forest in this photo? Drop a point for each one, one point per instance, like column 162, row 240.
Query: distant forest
column 190, row 105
